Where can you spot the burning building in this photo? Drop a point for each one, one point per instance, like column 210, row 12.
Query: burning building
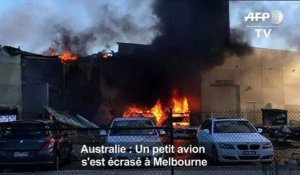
column 33, row 81
column 146, row 76
column 143, row 76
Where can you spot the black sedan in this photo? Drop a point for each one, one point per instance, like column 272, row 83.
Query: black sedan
column 33, row 143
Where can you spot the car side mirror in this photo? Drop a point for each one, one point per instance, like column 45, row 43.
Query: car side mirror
column 102, row 133
column 162, row 132
column 259, row 130
column 206, row 131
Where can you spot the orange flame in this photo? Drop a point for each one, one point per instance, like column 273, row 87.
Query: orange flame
column 155, row 112
column 180, row 105
column 160, row 113
column 67, row 56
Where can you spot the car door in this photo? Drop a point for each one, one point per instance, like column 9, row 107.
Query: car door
column 204, row 138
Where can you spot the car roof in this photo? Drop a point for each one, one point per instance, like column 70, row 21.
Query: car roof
column 131, row 118
column 227, row 119
column 27, row 122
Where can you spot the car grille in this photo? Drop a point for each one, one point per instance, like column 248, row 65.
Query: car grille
column 242, row 147
column 247, row 147
column 254, row 147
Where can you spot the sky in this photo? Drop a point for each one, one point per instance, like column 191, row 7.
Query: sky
column 25, row 23
column 34, row 25
column 284, row 37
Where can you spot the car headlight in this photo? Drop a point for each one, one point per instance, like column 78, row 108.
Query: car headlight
column 226, row 146
column 266, row 145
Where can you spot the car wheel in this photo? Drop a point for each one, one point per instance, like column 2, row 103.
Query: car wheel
column 214, row 156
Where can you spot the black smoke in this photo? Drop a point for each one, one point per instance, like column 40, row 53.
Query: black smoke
column 195, row 36
column 66, row 40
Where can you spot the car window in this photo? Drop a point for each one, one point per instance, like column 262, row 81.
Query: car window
column 233, row 127
column 121, row 127
column 24, row 131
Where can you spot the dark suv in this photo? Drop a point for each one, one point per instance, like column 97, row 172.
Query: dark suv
column 33, row 143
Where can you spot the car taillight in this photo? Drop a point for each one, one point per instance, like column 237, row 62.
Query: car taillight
column 48, row 144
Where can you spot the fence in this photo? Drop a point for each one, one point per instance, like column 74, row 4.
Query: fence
column 254, row 116
column 286, row 149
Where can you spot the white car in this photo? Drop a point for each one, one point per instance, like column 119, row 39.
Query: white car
column 125, row 132
column 234, row 140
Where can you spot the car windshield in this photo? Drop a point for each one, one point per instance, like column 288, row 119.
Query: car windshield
column 121, row 127
column 233, row 127
column 23, row 131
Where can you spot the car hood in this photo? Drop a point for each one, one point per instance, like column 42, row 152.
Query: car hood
column 239, row 138
column 133, row 140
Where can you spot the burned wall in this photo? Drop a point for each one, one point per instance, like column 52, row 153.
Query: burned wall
column 82, row 91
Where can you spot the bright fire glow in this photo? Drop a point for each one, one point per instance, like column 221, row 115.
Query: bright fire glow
column 155, row 112
column 180, row 106
column 159, row 113
column 67, row 56
column 64, row 57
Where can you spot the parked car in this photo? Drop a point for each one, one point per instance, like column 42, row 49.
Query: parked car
column 33, row 143
column 234, row 140
column 125, row 132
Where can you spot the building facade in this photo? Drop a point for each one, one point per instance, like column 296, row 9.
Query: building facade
column 265, row 78
column 10, row 78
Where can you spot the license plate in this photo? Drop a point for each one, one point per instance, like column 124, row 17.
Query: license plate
column 249, row 153
column 21, row 154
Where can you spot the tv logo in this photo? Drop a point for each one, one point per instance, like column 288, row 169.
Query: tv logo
column 266, row 20
column 256, row 16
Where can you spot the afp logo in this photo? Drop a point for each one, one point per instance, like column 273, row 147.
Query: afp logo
column 263, row 22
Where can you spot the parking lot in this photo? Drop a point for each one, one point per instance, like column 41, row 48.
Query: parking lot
column 286, row 148
column 283, row 156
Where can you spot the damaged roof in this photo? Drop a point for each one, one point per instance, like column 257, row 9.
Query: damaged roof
column 12, row 51
column 77, row 121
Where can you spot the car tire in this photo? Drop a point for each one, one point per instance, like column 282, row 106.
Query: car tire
column 214, row 155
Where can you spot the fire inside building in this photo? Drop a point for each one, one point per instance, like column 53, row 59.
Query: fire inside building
column 82, row 86
column 165, row 73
